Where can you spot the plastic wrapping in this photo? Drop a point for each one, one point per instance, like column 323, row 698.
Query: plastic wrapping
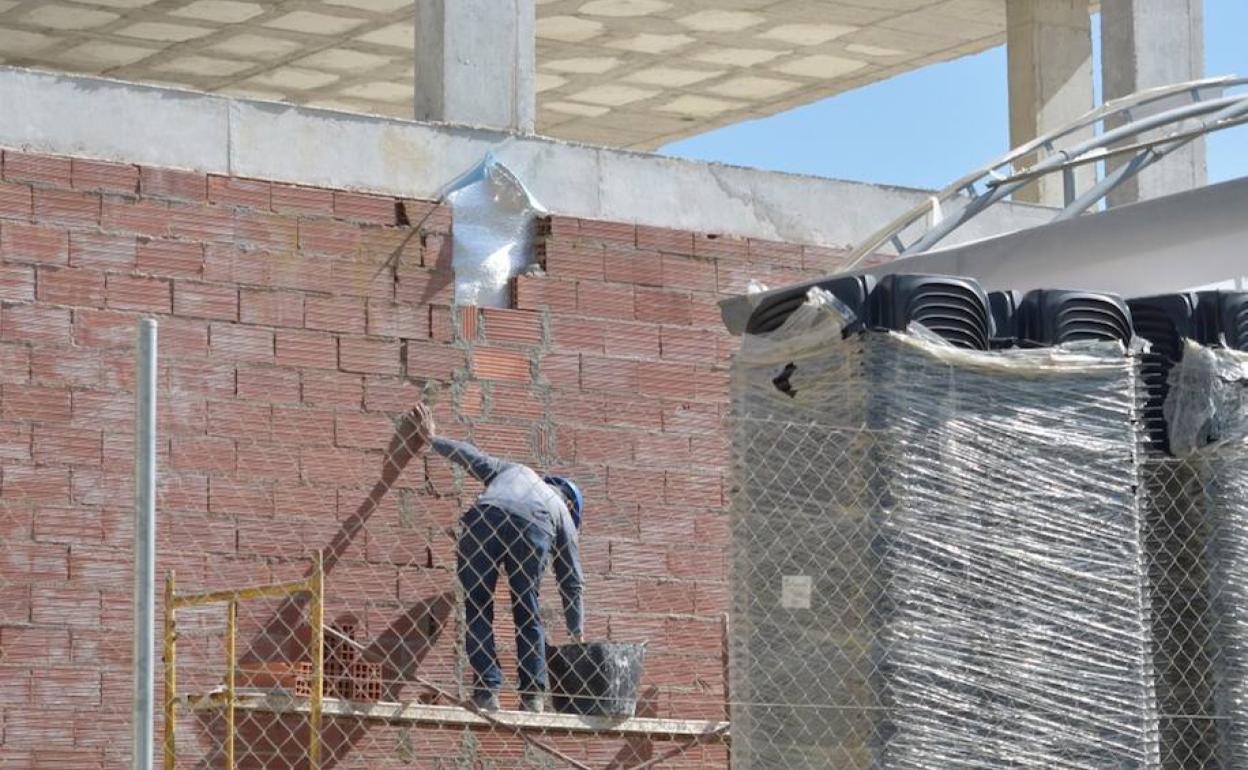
column 965, row 529
column 1208, row 398
column 495, row 229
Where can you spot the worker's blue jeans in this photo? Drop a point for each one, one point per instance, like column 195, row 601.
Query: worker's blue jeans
column 491, row 538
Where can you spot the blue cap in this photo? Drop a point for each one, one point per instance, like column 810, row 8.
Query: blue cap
column 568, row 488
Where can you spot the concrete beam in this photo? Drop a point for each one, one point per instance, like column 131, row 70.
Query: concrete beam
column 476, row 62
column 1148, row 43
column 1049, row 52
column 111, row 120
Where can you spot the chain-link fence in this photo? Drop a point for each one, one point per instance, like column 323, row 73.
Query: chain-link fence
column 947, row 558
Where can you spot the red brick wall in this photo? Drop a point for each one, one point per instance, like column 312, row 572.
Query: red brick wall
column 295, row 323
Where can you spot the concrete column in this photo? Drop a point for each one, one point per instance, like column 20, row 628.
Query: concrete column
column 1049, row 51
column 475, row 62
column 1147, row 43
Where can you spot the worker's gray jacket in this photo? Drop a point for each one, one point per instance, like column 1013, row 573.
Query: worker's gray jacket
column 520, row 491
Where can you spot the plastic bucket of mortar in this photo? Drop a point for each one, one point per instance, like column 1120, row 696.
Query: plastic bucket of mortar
column 595, row 678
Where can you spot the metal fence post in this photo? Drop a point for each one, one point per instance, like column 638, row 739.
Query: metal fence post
column 144, row 542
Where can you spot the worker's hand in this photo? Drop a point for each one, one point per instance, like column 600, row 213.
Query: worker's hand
column 425, row 426
column 578, row 638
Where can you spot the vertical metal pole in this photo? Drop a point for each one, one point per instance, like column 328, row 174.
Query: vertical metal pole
column 231, row 634
column 317, row 620
column 171, row 673
column 144, row 543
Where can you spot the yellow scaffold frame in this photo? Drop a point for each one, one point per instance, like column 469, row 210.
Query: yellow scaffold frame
column 313, row 585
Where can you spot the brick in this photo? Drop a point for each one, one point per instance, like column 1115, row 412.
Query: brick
column 16, row 201
column 17, row 283
column 664, row 239
column 91, row 407
column 271, row 308
column 20, row 242
column 67, row 687
column 719, row 246
column 102, row 252
column 104, row 329
column 240, row 420
column 369, row 356
column 689, row 345
column 204, row 454
column 419, row 286
column 437, row 253
column 669, row 380
column 77, row 524
column 64, row 445
column 328, row 237
column 706, row 312
column 606, row 300
column 496, row 364
column 603, row 446
column 170, row 183
column 582, row 335
column 34, row 323
column 33, row 646
column 519, row 327
column 631, row 341
column 432, row 361
column 681, row 272
column 428, row 216
column 293, row 199
column 561, row 226
column 36, row 485
column 234, row 342
column 14, row 364
column 619, row 232
column 823, row 259
column 332, row 465
column 251, row 499
column 261, row 230
column 299, row 426
column 361, row 278
column 637, row 559
column 201, row 223
column 44, row 169
column 205, row 300
column 102, row 176
column 393, row 245
column 358, row 207
column 33, row 562
column 693, row 489
column 664, row 449
column 268, row 383
column 67, row 207
column 257, row 461
column 777, row 252
column 362, row 431
column 144, row 217
column 333, row 388
column 609, row 374
column 388, row 319
column 514, row 401
column 561, row 370
column 232, row 191
column 664, row 306
column 306, row 349
column 569, row 259
column 536, row 293
column 123, row 292
column 172, row 259
column 666, row 596
column 628, row 265
column 335, row 314
column 454, row 324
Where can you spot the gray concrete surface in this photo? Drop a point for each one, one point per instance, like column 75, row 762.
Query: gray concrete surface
column 1147, row 43
column 476, row 62
column 111, row 120
column 1049, row 58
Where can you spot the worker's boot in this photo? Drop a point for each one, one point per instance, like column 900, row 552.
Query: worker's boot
column 533, row 703
column 485, row 700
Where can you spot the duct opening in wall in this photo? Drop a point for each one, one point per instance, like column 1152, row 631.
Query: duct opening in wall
column 495, row 228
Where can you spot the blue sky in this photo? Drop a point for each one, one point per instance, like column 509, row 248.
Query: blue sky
column 928, row 127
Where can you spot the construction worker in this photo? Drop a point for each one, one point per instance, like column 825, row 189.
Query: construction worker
column 518, row 523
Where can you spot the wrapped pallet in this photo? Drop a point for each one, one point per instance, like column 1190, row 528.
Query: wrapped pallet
column 937, row 554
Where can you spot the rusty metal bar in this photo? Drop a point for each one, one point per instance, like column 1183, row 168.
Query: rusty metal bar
column 317, row 621
column 171, row 671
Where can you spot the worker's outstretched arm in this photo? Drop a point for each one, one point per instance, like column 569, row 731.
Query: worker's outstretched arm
column 571, row 579
column 482, row 466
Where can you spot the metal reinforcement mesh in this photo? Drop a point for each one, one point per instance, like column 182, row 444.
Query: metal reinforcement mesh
column 939, row 555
